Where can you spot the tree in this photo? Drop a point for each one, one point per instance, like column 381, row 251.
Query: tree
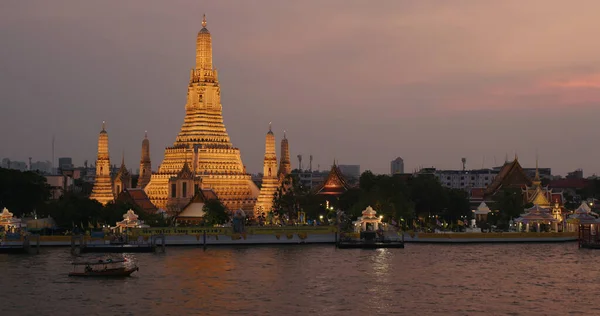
column 215, row 213
column 509, row 201
column 73, row 210
column 22, row 192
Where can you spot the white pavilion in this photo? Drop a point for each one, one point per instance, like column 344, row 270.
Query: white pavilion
column 130, row 220
column 9, row 222
column 369, row 216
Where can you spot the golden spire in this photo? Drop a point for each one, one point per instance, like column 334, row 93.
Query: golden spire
column 103, row 126
column 204, row 20
column 270, row 131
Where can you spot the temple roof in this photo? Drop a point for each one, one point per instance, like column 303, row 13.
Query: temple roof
column 195, row 208
column 139, row 198
column 335, row 184
column 186, row 172
column 511, row 175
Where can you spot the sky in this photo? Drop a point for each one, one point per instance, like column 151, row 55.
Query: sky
column 362, row 82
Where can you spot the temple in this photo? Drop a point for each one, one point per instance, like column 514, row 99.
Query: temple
column 335, row 184
column 122, row 179
column 285, row 166
column 203, row 152
column 103, row 189
column 270, row 180
column 513, row 176
column 145, row 164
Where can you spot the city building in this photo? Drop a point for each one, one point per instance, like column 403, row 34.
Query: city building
column 65, row 163
column 16, row 165
column 465, row 179
column 397, row 166
column 350, row 171
column 103, row 189
column 203, row 143
column 577, row 174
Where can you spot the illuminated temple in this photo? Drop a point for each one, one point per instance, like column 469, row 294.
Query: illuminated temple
column 202, row 155
column 103, row 186
column 270, row 180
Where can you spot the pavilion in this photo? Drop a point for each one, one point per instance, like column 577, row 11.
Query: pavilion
column 536, row 215
column 130, row 220
column 8, row 221
column 583, row 215
column 369, row 216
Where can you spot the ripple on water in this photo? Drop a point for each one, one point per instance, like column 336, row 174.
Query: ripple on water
column 321, row 280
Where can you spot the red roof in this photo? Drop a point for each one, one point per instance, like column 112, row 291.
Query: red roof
column 335, row 184
column 139, row 198
column 477, row 193
column 511, row 175
column 569, row 183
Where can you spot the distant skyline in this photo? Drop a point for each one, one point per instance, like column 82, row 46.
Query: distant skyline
column 355, row 81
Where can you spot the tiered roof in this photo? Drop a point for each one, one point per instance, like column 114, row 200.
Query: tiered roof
column 511, row 175
column 335, row 184
column 139, row 198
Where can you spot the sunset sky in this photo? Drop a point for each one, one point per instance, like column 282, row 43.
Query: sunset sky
column 359, row 81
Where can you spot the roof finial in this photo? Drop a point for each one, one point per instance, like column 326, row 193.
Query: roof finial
column 146, row 134
column 284, row 134
column 204, row 20
column 123, row 158
column 270, row 127
column 103, row 126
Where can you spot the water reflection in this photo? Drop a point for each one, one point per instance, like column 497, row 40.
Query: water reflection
column 288, row 280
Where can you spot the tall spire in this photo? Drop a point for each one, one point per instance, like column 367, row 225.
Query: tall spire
column 123, row 158
column 204, row 48
column 145, row 164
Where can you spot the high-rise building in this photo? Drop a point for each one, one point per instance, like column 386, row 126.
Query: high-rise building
column 270, row 181
column 203, row 143
column 397, row 166
column 102, row 191
column 350, row 171
column 145, row 164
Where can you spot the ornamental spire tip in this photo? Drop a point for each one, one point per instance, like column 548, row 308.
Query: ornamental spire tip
column 204, row 20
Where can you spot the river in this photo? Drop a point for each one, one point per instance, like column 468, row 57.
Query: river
column 498, row 279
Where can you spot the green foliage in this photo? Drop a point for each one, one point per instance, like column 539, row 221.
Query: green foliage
column 215, row 213
column 22, row 192
column 509, row 201
column 73, row 210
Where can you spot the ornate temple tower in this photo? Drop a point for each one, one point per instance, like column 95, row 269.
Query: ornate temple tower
column 122, row 180
column 103, row 191
column 203, row 138
column 285, row 166
column 145, row 164
column 270, row 181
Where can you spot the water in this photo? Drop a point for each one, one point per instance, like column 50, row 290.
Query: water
column 523, row 279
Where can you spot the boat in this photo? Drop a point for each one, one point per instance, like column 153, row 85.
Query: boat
column 103, row 268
